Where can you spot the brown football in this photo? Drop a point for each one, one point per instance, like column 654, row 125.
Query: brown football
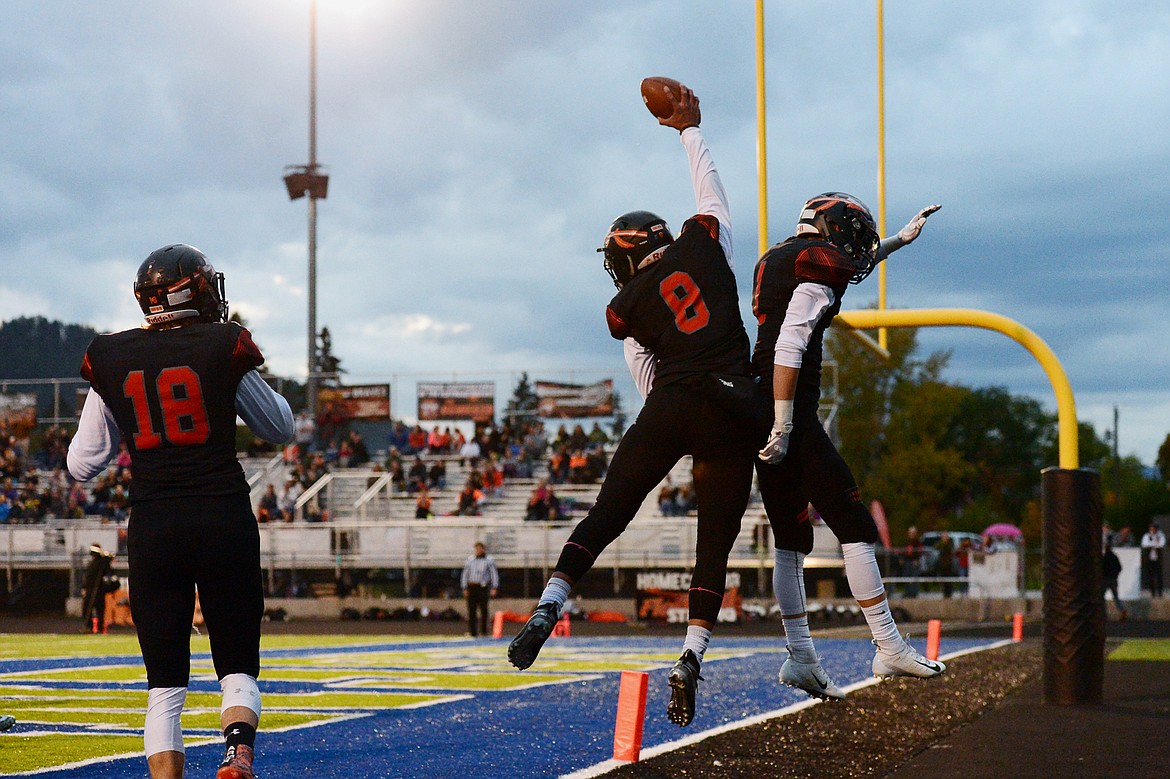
column 656, row 91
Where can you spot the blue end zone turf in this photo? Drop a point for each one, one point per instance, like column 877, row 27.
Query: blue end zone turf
column 467, row 728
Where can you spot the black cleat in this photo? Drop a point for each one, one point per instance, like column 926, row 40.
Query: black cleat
column 526, row 645
column 683, row 680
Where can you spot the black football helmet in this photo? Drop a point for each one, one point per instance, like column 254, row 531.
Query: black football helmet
column 630, row 243
column 177, row 282
column 845, row 222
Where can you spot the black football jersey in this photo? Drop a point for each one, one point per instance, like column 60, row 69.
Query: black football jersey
column 777, row 274
column 685, row 308
column 173, row 396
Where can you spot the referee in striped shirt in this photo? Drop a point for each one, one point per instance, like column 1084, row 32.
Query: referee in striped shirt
column 479, row 581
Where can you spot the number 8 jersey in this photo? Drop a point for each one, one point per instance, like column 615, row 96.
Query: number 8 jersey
column 685, row 308
column 172, row 394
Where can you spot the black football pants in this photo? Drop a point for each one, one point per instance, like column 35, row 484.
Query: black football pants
column 176, row 545
column 678, row 419
column 814, row 472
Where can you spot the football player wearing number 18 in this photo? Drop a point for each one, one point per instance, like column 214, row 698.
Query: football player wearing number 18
column 677, row 312
column 172, row 390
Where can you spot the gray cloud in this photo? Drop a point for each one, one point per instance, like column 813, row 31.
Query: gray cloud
column 477, row 158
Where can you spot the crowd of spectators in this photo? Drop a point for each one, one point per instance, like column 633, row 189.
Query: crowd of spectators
column 36, row 486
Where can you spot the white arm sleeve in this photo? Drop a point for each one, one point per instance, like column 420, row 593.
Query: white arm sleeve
column 809, row 303
column 264, row 411
column 641, row 362
column 888, row 246
column 710, row 197
column 96, row 440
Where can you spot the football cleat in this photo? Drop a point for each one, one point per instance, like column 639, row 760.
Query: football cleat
column 7, row 721
column 683, row 680
column 811, row 678
column 526, row 645
column 237, row 763
column 905, row 661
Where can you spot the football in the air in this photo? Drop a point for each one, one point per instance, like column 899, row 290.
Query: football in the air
column 656, row 91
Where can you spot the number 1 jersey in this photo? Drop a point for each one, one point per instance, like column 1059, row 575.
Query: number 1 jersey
column 173, row 396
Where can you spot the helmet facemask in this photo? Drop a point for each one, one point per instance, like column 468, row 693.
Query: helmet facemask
column 635, row 241
column 177, row 283
column 845, row 222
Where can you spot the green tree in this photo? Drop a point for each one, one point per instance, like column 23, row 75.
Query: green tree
column 1163, row 461
column 521, row 407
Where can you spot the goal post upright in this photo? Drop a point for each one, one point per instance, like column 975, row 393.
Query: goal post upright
column 1074, row 606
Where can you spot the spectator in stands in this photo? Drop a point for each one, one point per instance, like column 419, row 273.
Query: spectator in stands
column 543, row 504
column 469, row 499
column 397, row 475
column 5, row 508
column 561, row 438
column 417, row 440
column 435, row 441
column 422, row 504
column 118, row 506
column 666, row 495
column 288, row 499
column 558, row 465
column 437, row 475
column 1124, row 537
column 398, row 437
column 360, row 453
column 269, row 508
column 470, row 452
column 344, row 450
column 597, row 436
column 417, row 475
column 457, row 441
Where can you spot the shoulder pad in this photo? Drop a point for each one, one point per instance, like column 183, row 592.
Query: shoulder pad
column 823, row 263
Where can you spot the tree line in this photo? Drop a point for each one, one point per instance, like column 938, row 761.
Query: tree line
column 939, row 455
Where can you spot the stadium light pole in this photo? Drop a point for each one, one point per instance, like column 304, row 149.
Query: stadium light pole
column 302, row 180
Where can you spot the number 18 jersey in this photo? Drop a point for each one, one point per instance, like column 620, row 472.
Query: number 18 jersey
column 172, row 394
column 685, row 308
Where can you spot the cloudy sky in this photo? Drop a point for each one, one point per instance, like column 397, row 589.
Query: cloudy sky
column 478, row 150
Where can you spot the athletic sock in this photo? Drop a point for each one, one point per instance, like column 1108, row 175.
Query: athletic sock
column 556, row 592
column 698, row 637
column 788, row 586
column 239, row 733
column 865, row 583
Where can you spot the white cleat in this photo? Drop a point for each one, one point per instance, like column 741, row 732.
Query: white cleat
column 811, row 678
column 905, row 661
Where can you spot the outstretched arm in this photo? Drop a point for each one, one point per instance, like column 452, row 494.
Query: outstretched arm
column 710, row 196
column 906, row 235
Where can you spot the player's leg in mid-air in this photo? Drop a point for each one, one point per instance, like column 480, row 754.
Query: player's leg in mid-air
column 787, row 507
column 833, row 492
column 647, row 452
column 722, row 472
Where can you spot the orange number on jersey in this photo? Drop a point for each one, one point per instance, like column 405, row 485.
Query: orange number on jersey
column 180, row 397
column 682, row 295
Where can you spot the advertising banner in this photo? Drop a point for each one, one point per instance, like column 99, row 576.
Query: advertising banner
column 457, row 400
column 366, row 401
column 662, row 596
column 572, row 401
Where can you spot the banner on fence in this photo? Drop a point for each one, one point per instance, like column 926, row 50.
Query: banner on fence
column 18, row 412
column 572, row 401
column 457, row 400
column 662, row 596
column 361, row 401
